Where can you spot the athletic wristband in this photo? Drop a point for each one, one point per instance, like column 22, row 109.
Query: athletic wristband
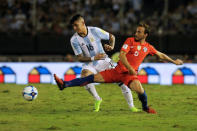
column 92, row 58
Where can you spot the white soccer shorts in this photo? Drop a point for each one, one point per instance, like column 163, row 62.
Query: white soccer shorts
column 100, row 66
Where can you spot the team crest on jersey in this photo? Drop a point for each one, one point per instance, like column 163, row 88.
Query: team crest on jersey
column 139, row 47
column 91, row 39
column 125, row 46
column 145, row 49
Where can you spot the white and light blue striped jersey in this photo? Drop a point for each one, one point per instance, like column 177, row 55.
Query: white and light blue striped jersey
column 89, row 45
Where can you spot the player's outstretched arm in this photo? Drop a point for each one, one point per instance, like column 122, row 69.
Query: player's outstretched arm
column 124, row 60
column 111, row 43
column 164, row 57
column 82, row 58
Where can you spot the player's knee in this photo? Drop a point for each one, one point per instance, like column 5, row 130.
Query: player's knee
column 88, row 86
column 136, row 86
column 140, row 90
column 85, row 73
column 124, row 88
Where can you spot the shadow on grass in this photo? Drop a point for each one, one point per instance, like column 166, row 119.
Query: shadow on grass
column 53, row 128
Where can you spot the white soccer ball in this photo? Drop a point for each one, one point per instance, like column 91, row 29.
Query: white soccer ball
column 30, row 93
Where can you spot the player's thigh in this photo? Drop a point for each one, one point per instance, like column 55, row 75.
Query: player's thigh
column 110, row 76
column 135, row 85
column 86, row 72
column 98, row 78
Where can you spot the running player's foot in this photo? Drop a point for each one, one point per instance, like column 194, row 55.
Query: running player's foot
column 97, row 105
column 150, row 110
column 134, row 109
column 60, row 82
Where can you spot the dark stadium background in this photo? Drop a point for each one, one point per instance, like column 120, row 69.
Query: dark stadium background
column 39, row 30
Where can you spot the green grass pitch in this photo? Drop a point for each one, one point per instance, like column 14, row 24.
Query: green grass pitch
column 72, row 109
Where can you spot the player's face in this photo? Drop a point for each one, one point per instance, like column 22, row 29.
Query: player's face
column 140, row 33
column 78, row 26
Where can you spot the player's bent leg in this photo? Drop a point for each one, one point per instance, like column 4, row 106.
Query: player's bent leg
column 92, row 90
column 127, row 94
column 90, row 87
column 128, row 97
column 136, row 86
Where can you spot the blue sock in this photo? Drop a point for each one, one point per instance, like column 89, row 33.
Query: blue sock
column 79, row 81
column 143, row 99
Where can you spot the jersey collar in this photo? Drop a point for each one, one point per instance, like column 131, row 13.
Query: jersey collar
column 143, row 43
column 138, row 43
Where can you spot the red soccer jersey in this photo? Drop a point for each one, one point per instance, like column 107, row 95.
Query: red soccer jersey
column 136, row 53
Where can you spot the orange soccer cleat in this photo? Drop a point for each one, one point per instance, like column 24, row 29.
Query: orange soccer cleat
column 60, row 82
column 150, row 110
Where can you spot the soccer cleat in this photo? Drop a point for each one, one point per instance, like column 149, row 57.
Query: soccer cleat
column 150, row 110
column 60, row 82
column 97, row 105
column 134, row 109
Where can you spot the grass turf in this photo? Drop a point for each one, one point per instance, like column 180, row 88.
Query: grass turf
column 72, row 109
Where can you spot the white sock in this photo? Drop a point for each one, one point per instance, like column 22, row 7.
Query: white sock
column 91, row 89
column 127, row 94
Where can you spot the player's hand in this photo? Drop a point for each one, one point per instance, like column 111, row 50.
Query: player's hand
column 178, row 62
column 108, row 47
column 100, row 56
column 132, row 72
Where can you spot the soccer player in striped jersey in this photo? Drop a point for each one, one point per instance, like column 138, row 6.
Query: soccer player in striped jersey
column 87, row 46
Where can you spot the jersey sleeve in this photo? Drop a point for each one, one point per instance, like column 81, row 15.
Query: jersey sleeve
column 152, row 50
column 75, row 46
column 102, row 34
column 126, row 46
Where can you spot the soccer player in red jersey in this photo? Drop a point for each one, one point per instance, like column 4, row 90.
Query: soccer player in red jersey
column 132, row 53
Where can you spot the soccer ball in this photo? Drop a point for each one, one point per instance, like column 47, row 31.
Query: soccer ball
column 30, row 93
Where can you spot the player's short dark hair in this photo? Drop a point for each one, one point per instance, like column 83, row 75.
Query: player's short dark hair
column 75, row 18
column 146, row 26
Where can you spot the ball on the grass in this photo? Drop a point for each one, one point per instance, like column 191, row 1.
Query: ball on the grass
column 30, row 93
